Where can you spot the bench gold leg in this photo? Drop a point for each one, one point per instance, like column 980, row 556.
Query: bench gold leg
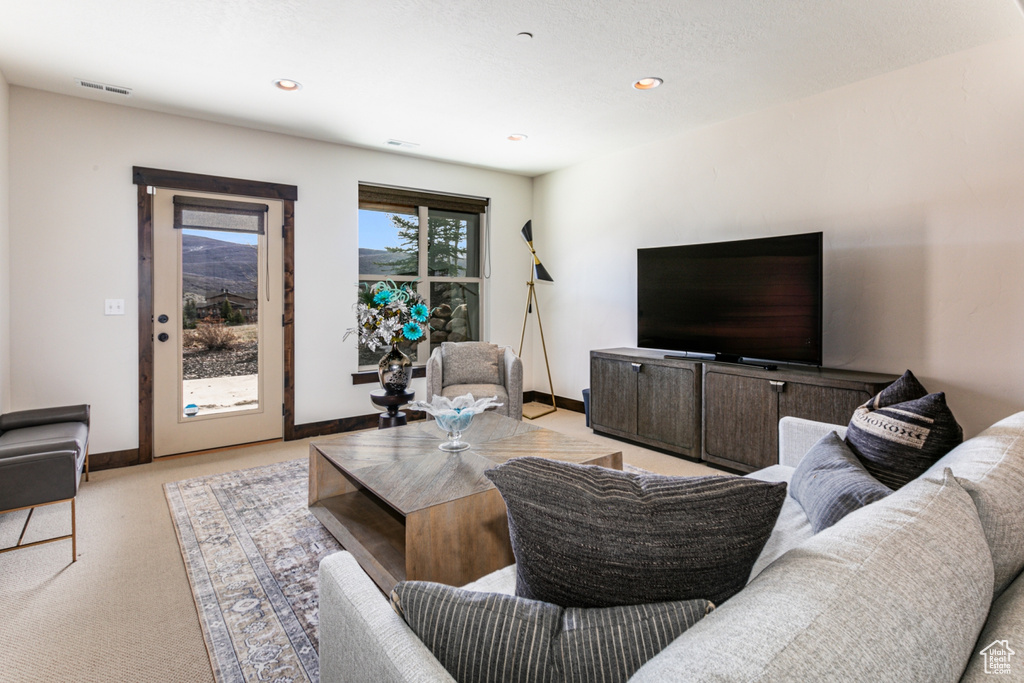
column 31, row 508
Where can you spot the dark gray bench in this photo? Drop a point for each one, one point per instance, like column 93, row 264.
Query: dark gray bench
column 43, row 453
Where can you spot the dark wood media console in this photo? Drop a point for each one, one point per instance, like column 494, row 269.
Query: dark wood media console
column 722, row 413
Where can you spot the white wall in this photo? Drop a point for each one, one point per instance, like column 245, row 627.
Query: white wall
column 916, row 179
column 73, row 244
column 5, row 261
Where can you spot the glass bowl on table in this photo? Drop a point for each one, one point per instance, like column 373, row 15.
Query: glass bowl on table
column 454, row 415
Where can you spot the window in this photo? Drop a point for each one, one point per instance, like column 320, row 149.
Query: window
column 443, row 260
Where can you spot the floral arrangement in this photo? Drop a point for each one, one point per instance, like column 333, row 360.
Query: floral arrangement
column 388, row 314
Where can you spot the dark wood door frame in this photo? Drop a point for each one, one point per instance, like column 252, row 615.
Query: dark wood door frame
column 146, row 178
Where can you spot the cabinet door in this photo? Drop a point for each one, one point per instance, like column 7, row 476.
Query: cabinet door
column 740, row 421
column 613, row 395
column 824, row 404
column 667, row 406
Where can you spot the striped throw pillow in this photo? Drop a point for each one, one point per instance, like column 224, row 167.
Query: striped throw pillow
column 830, row 483
column 902, row 431
column 587, row 536
column 493, row 637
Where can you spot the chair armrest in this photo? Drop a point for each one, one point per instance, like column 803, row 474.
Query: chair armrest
column 361, row 637
column 44, row 416
column 513, row 383
column 38, row 478
column 435, row 375
column 797, row 435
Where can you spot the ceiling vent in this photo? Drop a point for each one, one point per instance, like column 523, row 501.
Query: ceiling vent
column 103, row 87
column 401, row 144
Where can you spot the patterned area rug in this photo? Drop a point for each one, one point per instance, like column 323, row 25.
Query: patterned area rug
column 251, row 550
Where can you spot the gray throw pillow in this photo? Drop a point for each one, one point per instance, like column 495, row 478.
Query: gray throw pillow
column 902, row 431
column 586, row 536
column 497, row 637
column 830, row 483
column 469, row 363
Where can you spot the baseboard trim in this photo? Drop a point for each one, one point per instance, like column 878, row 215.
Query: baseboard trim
column 126, row 458
column 561, row 402
column 113, row 459
column 344, row 424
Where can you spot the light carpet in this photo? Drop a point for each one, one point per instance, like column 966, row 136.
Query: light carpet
column 251, row 551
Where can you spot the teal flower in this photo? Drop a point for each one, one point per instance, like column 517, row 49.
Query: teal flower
column 419, row 313
column 412, row 331
column 382, row 298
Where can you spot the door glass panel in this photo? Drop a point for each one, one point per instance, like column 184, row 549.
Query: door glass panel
column 220, row 320
column 389, row 241
column 456, row 314
column 452, row 244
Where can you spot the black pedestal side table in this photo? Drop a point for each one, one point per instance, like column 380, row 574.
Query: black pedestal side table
column 392, row 402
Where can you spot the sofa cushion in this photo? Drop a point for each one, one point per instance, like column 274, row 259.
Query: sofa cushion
column 830, row 483
column 991, row 468
column 895, row 591
column 587, row 536
column 1005, row 622
column 495, row 637
column 902, row 431
column 791, row 528
column 469, row 363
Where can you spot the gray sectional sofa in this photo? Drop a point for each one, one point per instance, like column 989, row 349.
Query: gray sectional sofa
column 924, row 585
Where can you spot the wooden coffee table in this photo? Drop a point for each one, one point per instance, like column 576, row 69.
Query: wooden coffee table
column 407, row 510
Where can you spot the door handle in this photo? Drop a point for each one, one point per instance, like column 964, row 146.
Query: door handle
column 636, row 366
column 163, row 336
column 777, row 387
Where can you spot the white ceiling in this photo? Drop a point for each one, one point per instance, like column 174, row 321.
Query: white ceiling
column 451, row 76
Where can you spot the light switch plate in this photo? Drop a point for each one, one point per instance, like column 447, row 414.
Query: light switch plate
column 114, row 307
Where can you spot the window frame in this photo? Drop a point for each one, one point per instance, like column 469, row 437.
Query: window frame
column 422, row 279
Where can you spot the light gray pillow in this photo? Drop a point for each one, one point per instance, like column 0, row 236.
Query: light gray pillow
column 469, row 363
column 497, row 637
column 1005, row 622
column 991, row 468
column 587, row 536
column 895, row 591
column 830, row 483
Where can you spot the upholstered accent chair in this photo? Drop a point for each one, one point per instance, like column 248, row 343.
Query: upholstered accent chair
column 478, row 368
column 42, row 455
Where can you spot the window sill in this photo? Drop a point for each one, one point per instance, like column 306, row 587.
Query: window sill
column 370, row 376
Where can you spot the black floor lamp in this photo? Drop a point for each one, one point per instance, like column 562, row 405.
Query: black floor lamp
column 534, row 409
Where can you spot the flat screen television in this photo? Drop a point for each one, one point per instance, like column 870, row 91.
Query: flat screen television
column 747, row 300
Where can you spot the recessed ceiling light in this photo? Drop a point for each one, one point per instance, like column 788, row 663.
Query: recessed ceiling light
column 517, row 137
column 287, row 84
column 648, row 83
column 524, row 37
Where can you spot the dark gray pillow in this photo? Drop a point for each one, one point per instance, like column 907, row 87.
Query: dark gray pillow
column 469, row 363
column 586, row 536
column 495, row 637
column 902, row 431
column 830, row 483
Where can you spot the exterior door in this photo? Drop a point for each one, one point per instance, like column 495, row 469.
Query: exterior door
column 218, row 377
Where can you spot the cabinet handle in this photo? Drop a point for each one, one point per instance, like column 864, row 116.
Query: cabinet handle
column 777, row 386
column 636, row 366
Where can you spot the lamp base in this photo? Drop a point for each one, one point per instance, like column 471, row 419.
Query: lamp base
column 533, row 410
